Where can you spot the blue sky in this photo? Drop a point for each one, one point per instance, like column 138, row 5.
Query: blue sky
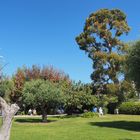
column 43, row 32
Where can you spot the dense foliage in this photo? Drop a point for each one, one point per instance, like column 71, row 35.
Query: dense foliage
column 132, row 108
column 25, row 74
column 43, row 95
column 90, row 115
column 6, row 88
column 133, row 63
column 79, row 98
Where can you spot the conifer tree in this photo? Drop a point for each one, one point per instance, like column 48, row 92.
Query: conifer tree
column 100, row 39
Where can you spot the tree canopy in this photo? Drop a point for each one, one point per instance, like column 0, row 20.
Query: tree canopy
column 100, row 39
column 133, row 63
column 44, row 95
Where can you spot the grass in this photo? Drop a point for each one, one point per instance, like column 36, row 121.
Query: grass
column 110, row 127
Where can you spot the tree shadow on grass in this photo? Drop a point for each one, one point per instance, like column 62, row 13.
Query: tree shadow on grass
column 32, row 120
column 126, row 125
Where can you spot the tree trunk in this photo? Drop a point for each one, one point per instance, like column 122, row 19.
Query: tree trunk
column 44, row 116
column 8, row 112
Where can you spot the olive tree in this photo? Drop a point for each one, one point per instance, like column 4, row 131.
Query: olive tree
column 42, row 94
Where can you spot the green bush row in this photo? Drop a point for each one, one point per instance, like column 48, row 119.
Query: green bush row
column 90, row 115
column 132, row 108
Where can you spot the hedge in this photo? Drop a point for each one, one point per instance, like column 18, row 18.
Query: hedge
column 90, row 115
column 132, row 108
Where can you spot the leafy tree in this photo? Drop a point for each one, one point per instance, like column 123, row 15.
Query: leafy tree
column 100, row 40
column 78, row 97
column 54, row 75
column 133, row 63
column 44, row 95
column 18, row 80
column 6, row 88
column 45, row 73
column 25, row 74
column 124, row 91
column 35, row 72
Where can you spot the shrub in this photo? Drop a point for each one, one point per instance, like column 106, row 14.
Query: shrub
column 105, row 110
column 132, row 108
column 90, row 115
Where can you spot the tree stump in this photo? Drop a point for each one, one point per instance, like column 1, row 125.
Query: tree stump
column 8, row 112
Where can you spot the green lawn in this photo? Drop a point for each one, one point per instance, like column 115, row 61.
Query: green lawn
column 109, row 127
